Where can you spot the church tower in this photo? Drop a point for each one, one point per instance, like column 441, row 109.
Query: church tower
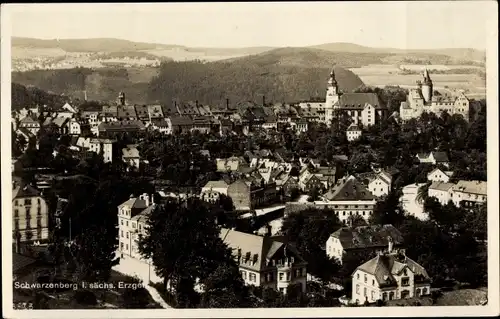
column 427, row 87
column 121, row 99
column 332, row 97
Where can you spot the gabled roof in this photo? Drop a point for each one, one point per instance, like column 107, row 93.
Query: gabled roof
column 441, row 186
column 353, row 127
column 358, row 100
column 181, row 121
column 28, row 119
column 60, row 121
column 155, row 111
column 368, row 236
column 472, row 187
column 216, row 184
column 134, row 203
column 126, row 111
column 385, row 266
column 349, row 189
column 143, row 216
column 24, row 191
column 263, row 247
column 440, row 156
column 141, row 111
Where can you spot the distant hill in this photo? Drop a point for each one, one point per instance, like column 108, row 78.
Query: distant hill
column 309, row 57
column 86, row 45
column 453, row 55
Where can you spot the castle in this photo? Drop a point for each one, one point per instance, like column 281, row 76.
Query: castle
column 364, row 109
column 424, row 99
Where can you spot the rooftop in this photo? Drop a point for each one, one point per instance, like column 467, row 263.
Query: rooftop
column 349, row 189
column 472, row 187
column 368, row 236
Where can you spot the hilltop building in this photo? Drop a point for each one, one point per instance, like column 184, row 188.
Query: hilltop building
column 424, row 99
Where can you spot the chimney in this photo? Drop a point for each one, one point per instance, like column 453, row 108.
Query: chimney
column 389, row 239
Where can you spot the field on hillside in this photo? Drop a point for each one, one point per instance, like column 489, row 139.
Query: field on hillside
column 181, row 54
column 19, row 53
column 382, row 75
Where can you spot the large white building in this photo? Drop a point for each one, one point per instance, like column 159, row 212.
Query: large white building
column 424, row 99
column 389, row 276
column 441, row 191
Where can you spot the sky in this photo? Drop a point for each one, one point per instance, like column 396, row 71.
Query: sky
column 404, row 25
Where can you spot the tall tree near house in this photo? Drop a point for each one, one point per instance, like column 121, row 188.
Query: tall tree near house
column 183, row 242
column 423, row 193
column 388, row 211
column 224, row 288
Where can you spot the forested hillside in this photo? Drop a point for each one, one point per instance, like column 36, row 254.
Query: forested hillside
column 30, row 97
column 209, row 83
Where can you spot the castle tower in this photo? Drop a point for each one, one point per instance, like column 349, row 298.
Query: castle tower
column 332, row 97
column 121, row 99
column 427, row 87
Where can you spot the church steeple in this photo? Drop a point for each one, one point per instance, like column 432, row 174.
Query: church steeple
column 332, row 80
column 427, row 78
column 427, row 87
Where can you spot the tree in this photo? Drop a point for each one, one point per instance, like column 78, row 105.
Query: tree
column 135, row 298
column 356, row 221
column 388, row 211
column 422, row 193
column 310, row 229
column 179, row 258
column 313, row 194
column 224, row 288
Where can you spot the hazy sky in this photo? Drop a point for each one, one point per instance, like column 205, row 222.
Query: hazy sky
column 378, row 24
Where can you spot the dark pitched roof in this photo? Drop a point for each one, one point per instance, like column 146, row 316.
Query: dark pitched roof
column 349, row 189
column 126, row 111
column 141, row 112
column 181, row 120
column 383, row 267
column 358, row 100
column 121, row 126
column 24, row 191
column 440, row 156
column 258, row 247
column 368, row 236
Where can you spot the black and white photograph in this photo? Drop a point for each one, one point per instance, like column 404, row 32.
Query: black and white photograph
column 250, row 159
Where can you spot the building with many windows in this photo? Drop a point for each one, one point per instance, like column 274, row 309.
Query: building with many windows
column 30, row 212
column 389, row 276
column 268, row 261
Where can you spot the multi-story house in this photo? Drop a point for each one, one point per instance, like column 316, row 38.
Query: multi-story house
column 30, row 124
column 442, row 191
column 73, row 127
column 247, row 194
column 267, row 262
column 435, row 158
column 212, row 190
column 379, row 184
column 374, row 238
column 438, row 175
column 132, row 219
column 180, row 124
column 389, row 276
column 104, row 145
column 350, row 197
column 231, row 164
column 353, row 132
column 425, row 99
column 31, row 216
column 469, row 193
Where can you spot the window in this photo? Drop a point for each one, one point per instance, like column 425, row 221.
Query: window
column 121, row 246
column 384, row 296
column 357, row 289
column 357, row 276
column 373, row 295
column 38, row 200
column 364, row 292
column 133, row 225
column 287, row 275
column 126, row 247
column 405, row 281
column 127, row 223
column 121, row 222
column 243, row 274
column 27, row 201
column 281, row 276
column 122, row 233
column 140, row 226
column 127, row 235
column 16, row 213
column 373, row 282
column 405, row 294
column 366, row 278
column 253, row 277
column 39, row 211
column 391, row 295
